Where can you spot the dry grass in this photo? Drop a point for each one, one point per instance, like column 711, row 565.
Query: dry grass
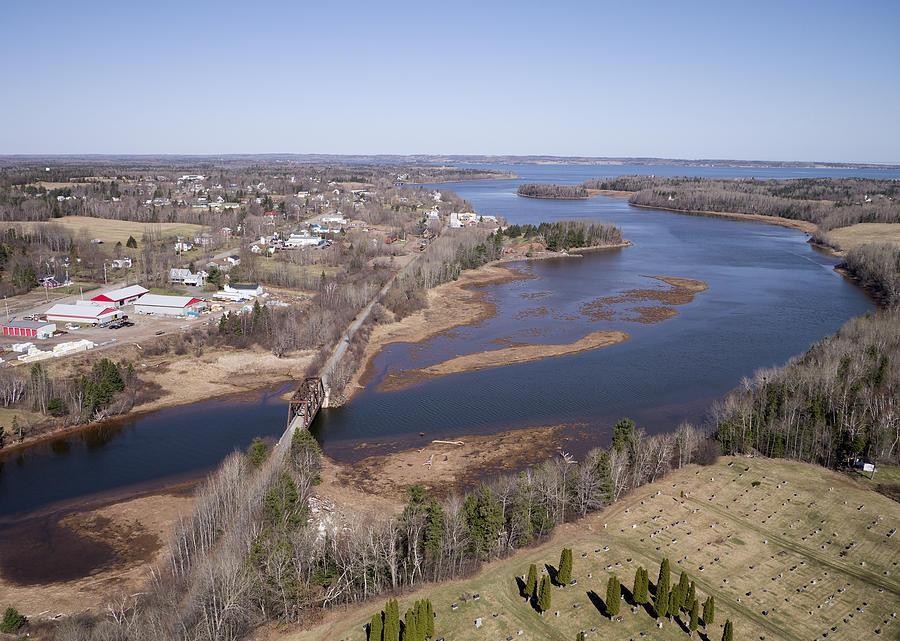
column 113, row 231
column 774, row 548
column 849, row 237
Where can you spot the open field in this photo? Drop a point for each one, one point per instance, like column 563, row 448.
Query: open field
column 113, row 231
column 804, row 554
column 862, row 233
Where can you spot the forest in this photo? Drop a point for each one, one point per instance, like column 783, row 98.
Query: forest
column 249, row 552
column 561, row 192
column 839, row 401
column 827, row 202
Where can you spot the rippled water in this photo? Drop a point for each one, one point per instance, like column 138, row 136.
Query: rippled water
column 770, row 296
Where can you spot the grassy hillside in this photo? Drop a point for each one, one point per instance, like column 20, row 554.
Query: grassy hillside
column 806, row 554
column 861, row 233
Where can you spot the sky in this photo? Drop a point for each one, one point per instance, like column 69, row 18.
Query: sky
column 788, row 80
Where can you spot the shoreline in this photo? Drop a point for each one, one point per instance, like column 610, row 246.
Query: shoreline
column 790, row 223
column 217, row 375
column 444, row 312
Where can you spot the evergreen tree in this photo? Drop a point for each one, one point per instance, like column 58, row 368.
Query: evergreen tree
column 564, row 574
column 429, row 619
column 673, row 602
column 638, row 583
column 683, row 588
column 531, row 583
column 613, row 596
column 131, row 243
column 695, row 617
column 579, row 636
column 623, row 431
column 543, row 601
column 709, row 611
column 728, row 632
column 692, row 594
column 409, row 631
column 661, row 600
column 392, row 621
column 376, row 627
column 421, row 623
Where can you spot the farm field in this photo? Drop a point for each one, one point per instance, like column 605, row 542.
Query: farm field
column 861, row 233
column 804, row 554
column 113, row 231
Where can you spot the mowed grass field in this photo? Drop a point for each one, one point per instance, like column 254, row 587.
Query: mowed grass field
column 113, row 231
column 862, row 233
column 807, row 554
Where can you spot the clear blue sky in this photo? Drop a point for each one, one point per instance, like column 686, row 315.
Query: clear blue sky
column 755, row 80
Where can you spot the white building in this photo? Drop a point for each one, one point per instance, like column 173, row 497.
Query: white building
column 170, row 305
column 303, row 239
column 119, row 297
column 334, row 218
column 185, row 277
column 240, row 291
column 84, row 312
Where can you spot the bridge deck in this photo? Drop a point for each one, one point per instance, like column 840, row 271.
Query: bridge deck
column 304, row 404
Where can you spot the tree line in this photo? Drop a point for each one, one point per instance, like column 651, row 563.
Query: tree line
column 561, row 192
column 837, row 402
column 567, row 234
column 827, row 202
column 248, row 554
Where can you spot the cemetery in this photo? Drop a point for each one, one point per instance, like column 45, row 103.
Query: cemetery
column 786, row 550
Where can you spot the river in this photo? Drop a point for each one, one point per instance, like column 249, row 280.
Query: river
column 771, row 295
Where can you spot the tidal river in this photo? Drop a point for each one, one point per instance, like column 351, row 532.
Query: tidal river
column 770, row 296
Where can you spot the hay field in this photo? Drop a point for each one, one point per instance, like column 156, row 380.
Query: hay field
column 113, row 231
column 862, row 233
column 807, row 554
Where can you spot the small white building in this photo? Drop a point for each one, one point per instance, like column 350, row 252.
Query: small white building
column 239, row 291
column 170, row 305
column 334, row 218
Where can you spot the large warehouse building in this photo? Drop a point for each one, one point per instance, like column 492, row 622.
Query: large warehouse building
column 119, row 297
column 169, row 305
column 83, row 312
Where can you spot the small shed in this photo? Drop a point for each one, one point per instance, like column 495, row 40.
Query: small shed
column 169, row 305
column 124, row 296
column 29, row 329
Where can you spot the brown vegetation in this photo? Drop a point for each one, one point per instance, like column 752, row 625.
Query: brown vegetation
column 513, row 355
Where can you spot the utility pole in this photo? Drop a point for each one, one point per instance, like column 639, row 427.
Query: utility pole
column 5, row 302
column 104, row 273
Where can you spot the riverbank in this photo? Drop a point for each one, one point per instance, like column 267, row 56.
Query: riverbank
column 513, row 355
column 84, row 555
column 449, row 305
column 169, row 380
column 790, row 223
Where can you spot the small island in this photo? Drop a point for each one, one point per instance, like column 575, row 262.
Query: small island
column 553, row 192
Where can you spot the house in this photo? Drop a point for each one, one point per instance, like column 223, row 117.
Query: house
column 185, row 277
column 119, row 297
column 29, row 329
column 170, row 305
column 226, row 232
column 183, row 246
column 83, row 312
column 334, row 218
column 240, row 291
column 121, row 263
column 233, row 260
